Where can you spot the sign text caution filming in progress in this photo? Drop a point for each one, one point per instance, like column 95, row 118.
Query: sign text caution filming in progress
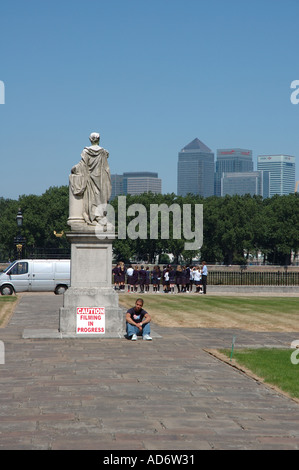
column 90, row 320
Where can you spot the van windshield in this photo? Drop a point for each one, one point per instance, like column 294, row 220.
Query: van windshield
column 20, row 267
column 8, row 267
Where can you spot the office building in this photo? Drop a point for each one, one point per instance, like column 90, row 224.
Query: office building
column 195, row 170
column 282, row 172
column 233, row 160
column 116, row 186
column 142, row 182
column 136, row 182
column 251, row 182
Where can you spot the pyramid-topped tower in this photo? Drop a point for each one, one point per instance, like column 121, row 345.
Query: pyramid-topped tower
column 196, row 144
column 196, row 170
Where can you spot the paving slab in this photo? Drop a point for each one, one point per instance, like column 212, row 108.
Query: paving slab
column 114, row 394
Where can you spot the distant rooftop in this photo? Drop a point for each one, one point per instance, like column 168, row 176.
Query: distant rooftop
column 140, row 174
column 196, row 144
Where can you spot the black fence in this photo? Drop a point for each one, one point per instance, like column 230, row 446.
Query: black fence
column 48, row 253
column 247, row 278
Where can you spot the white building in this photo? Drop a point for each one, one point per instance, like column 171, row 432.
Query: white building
column 282, row 172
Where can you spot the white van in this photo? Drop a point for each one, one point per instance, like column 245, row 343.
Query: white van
column 44, row 275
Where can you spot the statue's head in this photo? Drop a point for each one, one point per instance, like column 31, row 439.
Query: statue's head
column 94, row 138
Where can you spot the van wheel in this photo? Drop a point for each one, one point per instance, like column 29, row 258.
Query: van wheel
column 6, row 289
column 60, row 289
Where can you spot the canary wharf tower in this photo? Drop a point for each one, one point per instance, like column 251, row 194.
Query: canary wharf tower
column 196, row 170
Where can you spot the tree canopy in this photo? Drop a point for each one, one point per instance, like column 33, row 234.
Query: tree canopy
column 234, row 227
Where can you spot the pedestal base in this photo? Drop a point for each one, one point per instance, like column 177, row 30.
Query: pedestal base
column 90, row 305
column 82, row 308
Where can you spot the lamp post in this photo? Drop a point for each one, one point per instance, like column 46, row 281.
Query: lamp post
column 19, row 240
column 19, row 219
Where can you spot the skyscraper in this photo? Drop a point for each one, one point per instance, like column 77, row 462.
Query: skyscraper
column 233, row 160
column 195, row 170
column 142, row 182
column 116, row 186
column 246, row 182
column 136, row 182
column 282, row 172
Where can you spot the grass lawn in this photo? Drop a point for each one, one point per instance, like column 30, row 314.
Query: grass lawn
column 274, row 366
column 7, row 304
column 246, row 312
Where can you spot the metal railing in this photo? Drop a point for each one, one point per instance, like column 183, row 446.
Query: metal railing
column 48, row 253
column 243, row 278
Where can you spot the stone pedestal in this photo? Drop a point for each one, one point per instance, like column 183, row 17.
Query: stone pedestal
column 91, row 288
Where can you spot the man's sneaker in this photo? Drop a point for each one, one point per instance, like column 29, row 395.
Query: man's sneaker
column 147, row 337
column 134, row 337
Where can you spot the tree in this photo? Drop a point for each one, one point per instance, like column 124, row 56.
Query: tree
column 280, row 237
column 233, row 226
column 8, row 227
column 41, row 216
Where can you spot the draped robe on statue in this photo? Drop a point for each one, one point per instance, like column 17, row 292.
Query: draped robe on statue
column 91, row 179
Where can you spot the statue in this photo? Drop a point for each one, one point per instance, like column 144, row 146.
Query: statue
column 91, row 236
column 90, row 181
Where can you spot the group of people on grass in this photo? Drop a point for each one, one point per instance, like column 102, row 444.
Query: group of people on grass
column 169, row 279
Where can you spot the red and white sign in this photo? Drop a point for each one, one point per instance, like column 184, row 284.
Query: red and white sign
column 90, row 320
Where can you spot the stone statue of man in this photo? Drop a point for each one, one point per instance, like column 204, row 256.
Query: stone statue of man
column 91, row 180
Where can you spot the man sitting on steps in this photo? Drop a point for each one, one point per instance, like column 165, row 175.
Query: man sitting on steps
column 138, row 322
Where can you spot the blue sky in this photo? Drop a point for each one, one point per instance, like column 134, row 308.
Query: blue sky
column 150, row 76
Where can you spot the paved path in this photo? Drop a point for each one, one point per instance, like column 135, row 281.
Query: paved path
column 114, row 394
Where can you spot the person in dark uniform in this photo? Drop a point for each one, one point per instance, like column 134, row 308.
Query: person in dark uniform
column 115, row 272
column 178, row 278
column 184, row 279
column 147, row 279
column 156, row 275
column 142, row 278
column 188, row 286
column 121, row 276
column 171, row 279
column 135, row 278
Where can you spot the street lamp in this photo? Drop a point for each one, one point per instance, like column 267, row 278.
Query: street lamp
column 19, row 218
column 19, row 239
